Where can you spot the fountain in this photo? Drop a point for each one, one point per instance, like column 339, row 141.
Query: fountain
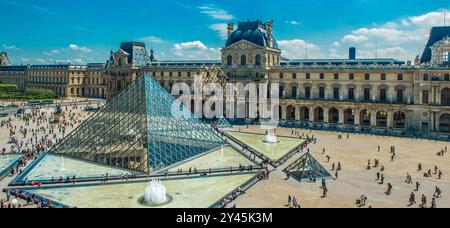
column 155, row 195
column 271, row 137
column 62, row 164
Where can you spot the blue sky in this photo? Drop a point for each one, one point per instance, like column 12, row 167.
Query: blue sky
column 47, row 31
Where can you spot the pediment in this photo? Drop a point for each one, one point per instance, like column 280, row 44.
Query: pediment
column 243, row 45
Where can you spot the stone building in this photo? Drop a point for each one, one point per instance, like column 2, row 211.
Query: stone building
column 14, row 75
column 66, row 80
column 378, row 95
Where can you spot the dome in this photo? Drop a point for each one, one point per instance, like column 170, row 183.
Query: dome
column 251, row 31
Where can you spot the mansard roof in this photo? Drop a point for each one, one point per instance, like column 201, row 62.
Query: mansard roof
column 436, row 34
column 252, row 31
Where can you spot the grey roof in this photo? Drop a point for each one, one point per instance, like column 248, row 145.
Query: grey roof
column 252, row 31
column 13, row 68
column 436, row 34
column 384, row 61
column 138, row 53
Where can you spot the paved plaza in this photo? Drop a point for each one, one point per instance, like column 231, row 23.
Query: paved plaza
column 355, row 180
column 353, row 151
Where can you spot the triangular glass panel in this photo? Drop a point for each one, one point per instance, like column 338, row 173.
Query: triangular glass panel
column 307, row 168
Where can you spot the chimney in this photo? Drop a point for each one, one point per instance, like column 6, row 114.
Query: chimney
column 230, row 28
column 352, row 53
column 270, row 32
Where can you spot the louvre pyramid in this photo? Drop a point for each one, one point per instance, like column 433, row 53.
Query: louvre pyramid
column 223, row 123
column 307, row 167
column 140, row 130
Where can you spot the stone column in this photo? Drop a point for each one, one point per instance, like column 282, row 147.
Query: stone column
column 341, row 116
column 297, row 112
column 357, row 118
column 311, row 114
column 390, row 120
column 326, row 115
column 373, row 118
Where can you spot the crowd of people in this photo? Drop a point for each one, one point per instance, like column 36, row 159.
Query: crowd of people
column 32, row 133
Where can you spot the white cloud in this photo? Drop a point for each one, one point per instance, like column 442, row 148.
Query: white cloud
column 78, row 60
column 195, row 50
column 336, row 44
column 51, row 53
column 25, row 60
column 221, row 29
column 293, row 22
column 152, row 39
column 41, row 60
column 296, row 48
column 216, row 13
column 354, row 38
column 11, row 47
column 75, row 47
column 428, row 20
column 395, row 39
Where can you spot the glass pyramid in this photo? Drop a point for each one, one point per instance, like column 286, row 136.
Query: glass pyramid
column 223, row 123
column 143, row 128
column 307, row 167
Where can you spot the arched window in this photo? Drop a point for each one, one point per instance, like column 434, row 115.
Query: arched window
column 444, row 123
column 445, row 97
column 243, row 60
column 258, row 60
column 399, row 120
column 229, row 60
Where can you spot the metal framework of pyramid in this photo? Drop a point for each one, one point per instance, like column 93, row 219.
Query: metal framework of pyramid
column 223, row 123
column 307, row 167
column 140, row 130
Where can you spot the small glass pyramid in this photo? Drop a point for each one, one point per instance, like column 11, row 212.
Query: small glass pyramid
column 306, row 168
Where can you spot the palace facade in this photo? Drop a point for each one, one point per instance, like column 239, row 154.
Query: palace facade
column 378, row 95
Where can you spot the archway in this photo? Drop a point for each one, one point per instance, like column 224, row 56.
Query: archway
column 318, row 115
column 290, row 112
column 444, row 123
column 365, row 118
column 382, row 119
column 399, row 119
column 304, row 113
column 349, row 116
column 333, row 115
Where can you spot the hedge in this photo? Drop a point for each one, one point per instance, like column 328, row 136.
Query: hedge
column 8, row 88
column 30, row 94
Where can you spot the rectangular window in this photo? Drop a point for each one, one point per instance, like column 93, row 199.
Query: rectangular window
column 336, row 93
column 425, row 77
column 351, row 94
column 445, row 57
column 400, row 95
column 322, row 76
column 294, row 76
column 351, row 76
column 383, row 95
column 383, row 77
column 308, row 75
column 336, row 76
column 308, row 92
column 367, row 77
column 294, row 92
column 367, row 94
column 281, row 75
column 400, row 77
column 322, row 92
column 425, row 97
